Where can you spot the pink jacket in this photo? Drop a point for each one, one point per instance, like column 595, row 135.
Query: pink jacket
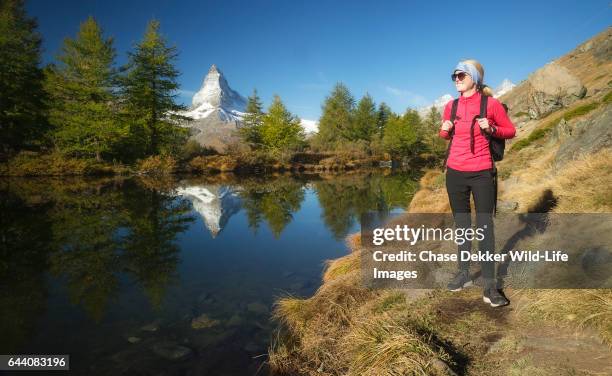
column 460, row 156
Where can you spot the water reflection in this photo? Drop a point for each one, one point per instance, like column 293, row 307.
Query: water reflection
column 101, row 259
column 215, row 203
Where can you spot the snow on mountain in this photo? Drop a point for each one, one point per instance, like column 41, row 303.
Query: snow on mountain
column 216, row 204
column 503, row 88
column 310, row 126
column 217, row 112
column 439, row 103
column 216, row 94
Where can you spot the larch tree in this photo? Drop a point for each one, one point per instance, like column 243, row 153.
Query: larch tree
column 82, row 95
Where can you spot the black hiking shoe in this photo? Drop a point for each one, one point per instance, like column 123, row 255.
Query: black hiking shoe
column 492, row 296
column 460, row 280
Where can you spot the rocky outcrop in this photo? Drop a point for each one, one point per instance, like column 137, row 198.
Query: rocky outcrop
column 552, row 88
column 586, row 136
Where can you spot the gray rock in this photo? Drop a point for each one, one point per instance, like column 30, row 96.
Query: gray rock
column 171, row 351
column 257, row 307
column 203, row 322
column 560, row 132
column 602, row 49
column 152, row 327
column 588, row 136
column 442, row 368
column 235, row 320
column 552, row 88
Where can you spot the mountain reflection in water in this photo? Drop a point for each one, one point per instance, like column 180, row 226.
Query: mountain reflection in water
column 170, row 276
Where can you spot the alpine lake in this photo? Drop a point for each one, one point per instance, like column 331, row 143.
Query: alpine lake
column 171, row 275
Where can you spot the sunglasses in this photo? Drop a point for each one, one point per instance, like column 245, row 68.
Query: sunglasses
column 460, row 76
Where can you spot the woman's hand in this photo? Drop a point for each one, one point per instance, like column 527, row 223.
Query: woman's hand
column 447, row 125
column 484, row 125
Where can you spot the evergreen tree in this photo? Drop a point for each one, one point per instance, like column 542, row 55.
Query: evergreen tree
column 414, row 121
column 384, row 113
column 432, row 125
column 336, row 120
column 21, row 95
column 82, row 97
column 280, row 129
column 365, row 119
column 400, row 136
column 150, row 91
column 250, row 131
column 433, row 120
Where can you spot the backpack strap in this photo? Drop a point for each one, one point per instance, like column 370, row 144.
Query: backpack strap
column 453, row 115
column 484, row 99
column 483, row 114
column 454, row 107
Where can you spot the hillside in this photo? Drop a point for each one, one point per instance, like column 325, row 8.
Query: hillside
column 560, row 161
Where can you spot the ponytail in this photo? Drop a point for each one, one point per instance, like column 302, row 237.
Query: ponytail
column 480, row 86
column 484, row 89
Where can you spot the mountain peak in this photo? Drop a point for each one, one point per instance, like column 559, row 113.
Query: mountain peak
column 504, row 87
column 216, row 93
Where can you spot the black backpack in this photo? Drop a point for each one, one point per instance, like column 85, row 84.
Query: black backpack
column 497, row 146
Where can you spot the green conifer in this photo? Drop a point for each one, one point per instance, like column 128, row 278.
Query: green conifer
column 22, row 120
column 250, row 131
column 280, row 129
column 150, row 89
column 82, row 96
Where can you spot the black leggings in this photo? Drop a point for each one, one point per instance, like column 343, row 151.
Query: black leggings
column 481, row 184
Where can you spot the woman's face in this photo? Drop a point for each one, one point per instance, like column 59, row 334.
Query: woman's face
column 463, row 81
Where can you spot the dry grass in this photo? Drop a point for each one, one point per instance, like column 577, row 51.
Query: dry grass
column 584, row 185
column 431, row 197
column 532, row 174
column 577, row 308
column 345, row 329
column 312, row 326
column 389, row 345
column 342, row 266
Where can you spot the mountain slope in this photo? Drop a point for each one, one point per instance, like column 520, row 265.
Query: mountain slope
column 216, row 111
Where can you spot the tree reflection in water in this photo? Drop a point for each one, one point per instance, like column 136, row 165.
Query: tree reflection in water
column 94, row 235
column 89, row 233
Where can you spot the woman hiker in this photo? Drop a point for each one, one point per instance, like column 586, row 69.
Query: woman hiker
column 470, row 167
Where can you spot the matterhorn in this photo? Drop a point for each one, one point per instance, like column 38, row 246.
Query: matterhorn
column 217, row 111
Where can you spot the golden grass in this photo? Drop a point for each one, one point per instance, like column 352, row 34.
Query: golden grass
column 312, row 326
column 345, row 329
column 584, row 185
column 576, row 308
column 431, row 197
column 342, row 266
column 387, row 345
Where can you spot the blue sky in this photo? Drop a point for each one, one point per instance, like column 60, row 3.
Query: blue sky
column 401, row 52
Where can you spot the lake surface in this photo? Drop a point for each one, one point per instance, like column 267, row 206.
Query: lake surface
column 170, row 276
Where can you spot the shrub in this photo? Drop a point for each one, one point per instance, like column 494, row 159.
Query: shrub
column 213, row 164
column 157, row 165
column 54, row 164
column 607, row 98
column 193, row 149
